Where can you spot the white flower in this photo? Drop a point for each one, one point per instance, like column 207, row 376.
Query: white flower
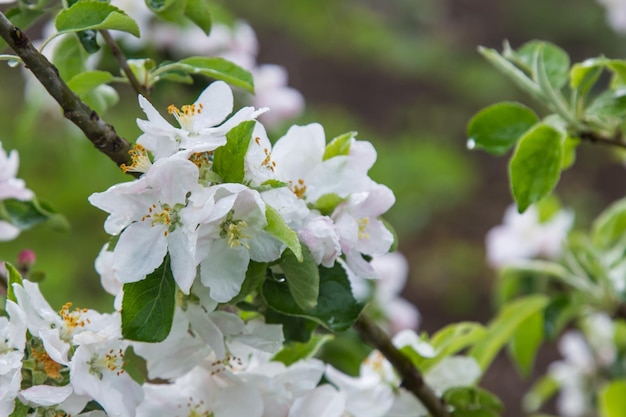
column 202, row 392
column 201, row 128
column 229, row 236
column 321, row 237
column 10, row 186
column 360, row 231
column 56, row 330
column 615, row 14
column 298, row 159
column 149, row 213
column 96, row 369
column 523, row 236
column 12, row 343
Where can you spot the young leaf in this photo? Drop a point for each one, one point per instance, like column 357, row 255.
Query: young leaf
column 535, row 167
column 293, row 352
column 69, row 57
column 29, row 213
column 85, row 82
column 95, row 15
column 514, row 73
column 610, row 225
column 228, row 160
column 277, row 227
column 555, row 61
column 148, row 306
column 539, row 394
column 199, row 13
column 172, row 10
column 525, row 342
column 451, row 340
column 336, row 307
column 473, row 401
column 327, row 203
column 14, row 277
column 295, row 329
column 303, row 277
column 612, row 401
column 584, row 75
column 502, row 328
column 339, row 145
column 219, row 69
column 498, row 127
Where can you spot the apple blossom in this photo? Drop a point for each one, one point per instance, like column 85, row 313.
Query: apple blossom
column 203, row 124
column 230, row 235
column 523, row 236
column 148, row 213
column 12, row 344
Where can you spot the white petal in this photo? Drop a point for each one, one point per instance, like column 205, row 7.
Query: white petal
column 224, row 269
column 217, row 104
column 139, row 251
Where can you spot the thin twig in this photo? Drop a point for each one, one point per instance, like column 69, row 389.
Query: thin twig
column 595, row 137
column 412, row 380
column 123, row 63
column 100, row 133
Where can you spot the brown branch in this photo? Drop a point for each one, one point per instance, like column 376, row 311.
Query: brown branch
column 598, row 138
column 100, row 133
column 412, row 380
column 121, row 60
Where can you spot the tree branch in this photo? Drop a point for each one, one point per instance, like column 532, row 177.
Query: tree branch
column 595, row 137
column 412, row 380
column 100, row 133
column 121, row 60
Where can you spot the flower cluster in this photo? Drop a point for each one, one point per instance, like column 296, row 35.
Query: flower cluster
column 183, row 205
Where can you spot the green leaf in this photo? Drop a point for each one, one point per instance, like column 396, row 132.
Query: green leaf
column 228, row 160
column 535, row 167
column 498, row 127
column 255, row 275
column 219, row 69
column 584, row 75
column 336, row 307
column 198, row 12
column 539, row 394
column 610, row 225
column 555, row 61
column 295, row 329
column 612, row 399
column 69, row 57
column 569, row 152
column 513, row 72
column 20, row 410
column 29, row 213
column 339, row 145
column 503, row 327
column 148, row 306
column 451, row 340
column 85, row 82
column 303, row 277
column 293, row 352
column 89, row 40
column 14, row 277
column 96, row 15
column 473, row 401
column 277, row 227
column 525, row 343
column 327, row 203
column 172, row 10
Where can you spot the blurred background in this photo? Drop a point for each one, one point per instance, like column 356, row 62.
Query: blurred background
column 406, row 75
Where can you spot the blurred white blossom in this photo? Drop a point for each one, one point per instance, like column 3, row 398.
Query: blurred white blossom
column 524, row 236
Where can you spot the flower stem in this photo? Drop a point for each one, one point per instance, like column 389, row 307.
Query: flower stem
column 100, row 133
column 412, row 380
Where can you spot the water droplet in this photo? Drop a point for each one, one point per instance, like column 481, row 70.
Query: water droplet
column 471, row 144
column 13, row 63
